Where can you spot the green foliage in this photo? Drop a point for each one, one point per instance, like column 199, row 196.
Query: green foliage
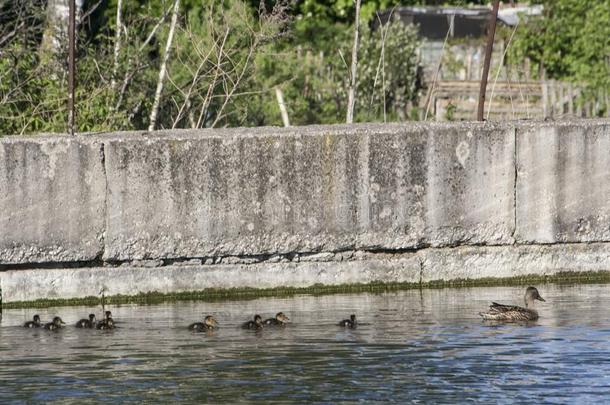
column 570, row 42
column 315, row 80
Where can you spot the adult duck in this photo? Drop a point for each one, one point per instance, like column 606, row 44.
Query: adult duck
column 513, row 313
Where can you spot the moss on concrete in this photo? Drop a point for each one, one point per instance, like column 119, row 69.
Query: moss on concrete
column 253, row 293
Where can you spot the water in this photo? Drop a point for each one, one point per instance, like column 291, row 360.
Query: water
column 416, row 346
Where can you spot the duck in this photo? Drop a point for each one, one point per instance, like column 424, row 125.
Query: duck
column 349, row 323
column 257, row 323
column 513, row 313
column 55, row 324
column 209, row 323
column 87, row 323
column 35, row 323
column 107, row 323
column 279, row 320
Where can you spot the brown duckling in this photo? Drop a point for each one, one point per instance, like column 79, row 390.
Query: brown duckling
column 349, row 323
column 35, row 323
column 513, row 313
column 107, row 323
column 87, row 323
column 209, row 323
column 279, row 320
column 55, row 324
column 257, row 323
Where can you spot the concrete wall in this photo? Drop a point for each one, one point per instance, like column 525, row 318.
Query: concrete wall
column 189, row 210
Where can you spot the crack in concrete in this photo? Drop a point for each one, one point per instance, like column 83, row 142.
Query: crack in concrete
column 292, row 257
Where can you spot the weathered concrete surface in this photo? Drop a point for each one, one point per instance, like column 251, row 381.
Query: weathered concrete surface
column 298, row 206
column 28, row 285
column 52, row 193
column 433, row 264
column 513, row 261
column 309, row 189
column 563, row 183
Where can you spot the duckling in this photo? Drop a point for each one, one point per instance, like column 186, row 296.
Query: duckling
column 513, row 313
column 257, row 323
column 106, row 324
column 279, row 320
column 208, row 324
column 87, row 323
column 349, row 323
column 34, row 323
column 55, row 325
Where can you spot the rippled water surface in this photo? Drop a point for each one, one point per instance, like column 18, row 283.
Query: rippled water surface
column 420, row 346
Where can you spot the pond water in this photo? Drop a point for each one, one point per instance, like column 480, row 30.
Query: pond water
column 416, row 345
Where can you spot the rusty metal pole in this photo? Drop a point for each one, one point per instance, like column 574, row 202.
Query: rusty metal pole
column 71, row 64
column 491, row 33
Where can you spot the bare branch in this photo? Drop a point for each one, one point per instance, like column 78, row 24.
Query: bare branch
column 351, row 97
column 163, row 70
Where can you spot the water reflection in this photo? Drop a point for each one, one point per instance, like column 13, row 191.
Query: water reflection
column 427, row 345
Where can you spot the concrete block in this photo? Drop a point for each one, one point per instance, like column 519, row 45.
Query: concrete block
column 29, row 285
column 469, row 262
column 563, row 183
column 52, row 192
column 313, row 189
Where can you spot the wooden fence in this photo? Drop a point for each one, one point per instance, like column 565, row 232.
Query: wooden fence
column 457, row 100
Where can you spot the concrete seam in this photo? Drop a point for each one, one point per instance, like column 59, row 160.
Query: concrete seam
column 419, row 254
column 515, row 159
column 105, row 173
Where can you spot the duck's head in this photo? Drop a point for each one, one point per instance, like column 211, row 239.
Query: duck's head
column 210, row 321
column 258, row 320
column 108, row 314
column 91, row 317
column 58, row 322
column 532, row 294
column 36, row 318
column 352, row 317
column 281, row 317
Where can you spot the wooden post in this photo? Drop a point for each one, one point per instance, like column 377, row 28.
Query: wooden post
column 491, row 33
column 280, row 100
column 545, row 99
column 571, row 99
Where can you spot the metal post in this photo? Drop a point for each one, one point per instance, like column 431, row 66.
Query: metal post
column 71, row 65
column 491, row 33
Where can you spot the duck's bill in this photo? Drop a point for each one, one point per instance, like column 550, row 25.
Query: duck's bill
column 539, row 298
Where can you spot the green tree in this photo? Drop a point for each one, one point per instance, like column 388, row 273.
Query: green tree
column 571, row 41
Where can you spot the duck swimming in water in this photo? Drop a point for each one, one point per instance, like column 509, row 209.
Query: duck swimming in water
column 87, row 323
column 349, row 323
column 35, row 323
column 257, row 323
column 513, row 313
column 107, row 323
column 55, row 325
column 209, row 323
column 279, row 320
